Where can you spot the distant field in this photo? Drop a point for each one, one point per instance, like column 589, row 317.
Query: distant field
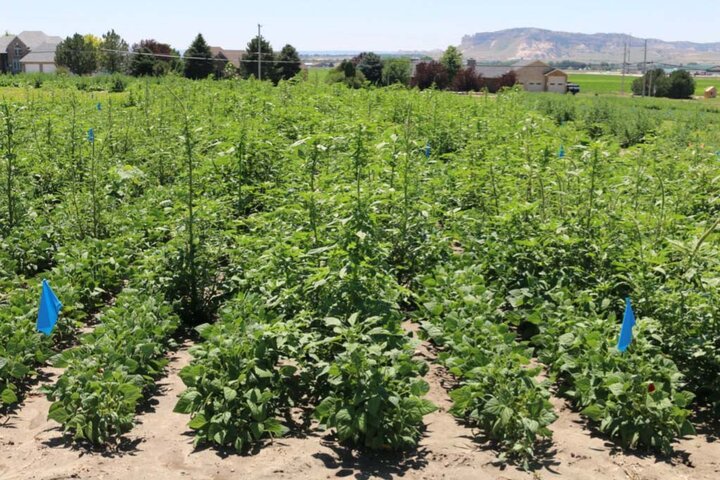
column 603, row 84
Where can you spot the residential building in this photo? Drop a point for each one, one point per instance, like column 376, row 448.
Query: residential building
column 4, row 43
column 42, row 59
column 537, row 76
column 223, row 57
column 15, row 48
column 534, row 76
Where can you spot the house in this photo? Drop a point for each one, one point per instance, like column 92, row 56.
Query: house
column 15, row 48
column 537, row 76
column 711, row 92
column 4, row 43
column 41, row 59
column 534, row 76
column 223, row 57
column 556, row 81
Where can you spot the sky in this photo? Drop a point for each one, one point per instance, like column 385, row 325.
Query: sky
column 380, row 25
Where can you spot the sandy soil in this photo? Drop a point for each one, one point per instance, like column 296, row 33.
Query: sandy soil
column 160, row 447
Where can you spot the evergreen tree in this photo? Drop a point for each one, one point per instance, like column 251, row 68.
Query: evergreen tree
column 198, row 59
column 371, row 66
column 154, row 58
column 113, row 53
column 77, row 54
column 249, row 65
column 288, row 64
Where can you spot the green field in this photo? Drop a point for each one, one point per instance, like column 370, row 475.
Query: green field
column 611, row 84
column 294, row 232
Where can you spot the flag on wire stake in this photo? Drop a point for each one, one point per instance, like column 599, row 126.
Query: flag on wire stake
column 91, row 136
column 628, row 323
column 561, row 153
column 99, row 106
column 49, row 309
column 427, row 150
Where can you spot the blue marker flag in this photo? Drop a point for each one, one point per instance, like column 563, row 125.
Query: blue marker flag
column 49, row 309
column 627, row 326
column 91, row 136
column 427, row 150
column 561, row 153
column 99, row 106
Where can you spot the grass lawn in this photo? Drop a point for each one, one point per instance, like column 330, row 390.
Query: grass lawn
column 604, row 84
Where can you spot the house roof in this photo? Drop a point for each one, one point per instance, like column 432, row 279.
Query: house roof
column 43, row 53
column 493, row 72
column 556, row 73
column 5, row 41
column 34, row 38
column 527, row 63
column 232, row 56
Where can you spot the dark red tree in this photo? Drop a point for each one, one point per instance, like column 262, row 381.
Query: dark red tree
column 431, row 73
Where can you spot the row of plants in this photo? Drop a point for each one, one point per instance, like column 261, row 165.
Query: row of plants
column 87, row 275
column 83, row 280
column 316, row 327
column 637, row 398
column 499, row 388
column 115, row 366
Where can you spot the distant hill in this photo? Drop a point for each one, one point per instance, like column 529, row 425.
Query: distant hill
column 535, row 43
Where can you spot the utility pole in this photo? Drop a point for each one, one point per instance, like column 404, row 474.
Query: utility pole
column 650, row 90
column 645, row 70
column 259, row 53
column 625, row 54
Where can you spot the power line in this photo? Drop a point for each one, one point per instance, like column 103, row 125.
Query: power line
column 163, row 55
column 589, row 66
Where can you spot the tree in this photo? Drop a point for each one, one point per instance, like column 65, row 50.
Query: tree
column 396, row 70
column 249, row 65
column 113, row 53
column 656, row 83
column 654, row 79
column 494, row 85
column 288, row 64
column 452, row 61
column 466, row 80
column 142, row 62
column 151, row 57
column 348, row 74
column 431, row 73
column 371, row 66
column 681, row 84
column 77, row 54
column 93, row 40
column 198, row 59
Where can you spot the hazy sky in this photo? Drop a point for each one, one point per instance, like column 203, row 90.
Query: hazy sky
column 359, row 24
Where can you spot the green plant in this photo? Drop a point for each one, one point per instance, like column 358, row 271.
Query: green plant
column 375, row 399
